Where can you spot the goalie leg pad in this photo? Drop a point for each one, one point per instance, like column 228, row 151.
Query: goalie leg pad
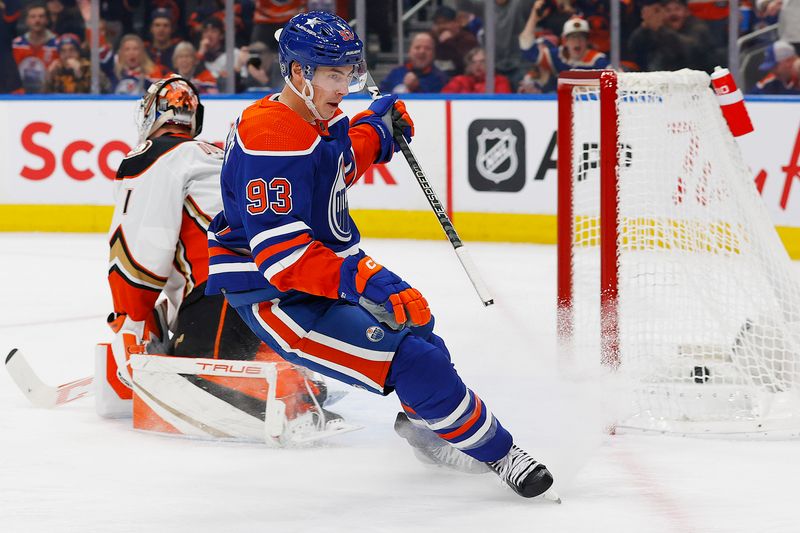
column 112, row 399
column 212, row 398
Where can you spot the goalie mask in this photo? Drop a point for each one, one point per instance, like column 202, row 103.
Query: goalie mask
column 173, row 100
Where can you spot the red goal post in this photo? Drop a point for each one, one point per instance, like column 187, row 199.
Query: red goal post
column 605, row 81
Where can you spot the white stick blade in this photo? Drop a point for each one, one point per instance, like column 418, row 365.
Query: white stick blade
column 32, row 387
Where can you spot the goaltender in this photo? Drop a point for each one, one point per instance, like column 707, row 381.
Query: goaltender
column 166, row 193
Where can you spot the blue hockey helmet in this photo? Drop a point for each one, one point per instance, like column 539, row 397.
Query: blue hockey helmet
column 321, row 39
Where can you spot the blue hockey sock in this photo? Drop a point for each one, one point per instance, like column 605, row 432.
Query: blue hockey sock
column 432, row 392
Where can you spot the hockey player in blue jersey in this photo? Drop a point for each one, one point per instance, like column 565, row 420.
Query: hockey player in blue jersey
column 286, row 254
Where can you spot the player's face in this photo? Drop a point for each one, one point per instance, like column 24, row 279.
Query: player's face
column 330, row 86
column 161, row 29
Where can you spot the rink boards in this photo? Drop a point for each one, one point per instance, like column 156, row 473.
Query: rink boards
column 490, row 159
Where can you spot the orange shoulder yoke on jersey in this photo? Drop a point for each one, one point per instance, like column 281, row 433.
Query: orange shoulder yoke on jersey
column 272, row 126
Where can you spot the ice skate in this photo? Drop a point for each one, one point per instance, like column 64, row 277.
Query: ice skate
column 431, row 449
column 526, row 476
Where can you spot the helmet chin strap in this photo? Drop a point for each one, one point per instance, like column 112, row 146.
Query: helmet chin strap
column 307, row 98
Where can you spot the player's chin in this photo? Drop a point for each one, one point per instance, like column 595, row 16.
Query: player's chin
column 330, row 109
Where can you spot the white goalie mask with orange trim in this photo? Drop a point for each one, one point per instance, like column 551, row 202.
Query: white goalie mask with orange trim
column 173, row 100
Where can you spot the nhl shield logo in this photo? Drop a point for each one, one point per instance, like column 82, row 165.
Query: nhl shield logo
column 497, row 149
column 497, row 155
column 375, row 334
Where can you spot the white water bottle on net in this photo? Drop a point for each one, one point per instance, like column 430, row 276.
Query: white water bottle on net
column 670, row 269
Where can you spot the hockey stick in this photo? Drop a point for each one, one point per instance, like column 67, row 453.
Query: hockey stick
column 39, row 393
column 436, row 205
column 46, row 396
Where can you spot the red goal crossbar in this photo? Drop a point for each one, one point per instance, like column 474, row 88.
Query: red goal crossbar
column 606, row 82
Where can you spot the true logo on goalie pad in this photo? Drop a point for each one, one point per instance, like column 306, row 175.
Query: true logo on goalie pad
column 497, row 155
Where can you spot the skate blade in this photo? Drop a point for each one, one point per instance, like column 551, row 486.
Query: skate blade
column 552, row 496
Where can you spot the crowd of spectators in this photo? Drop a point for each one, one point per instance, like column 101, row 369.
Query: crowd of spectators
column 44, row 45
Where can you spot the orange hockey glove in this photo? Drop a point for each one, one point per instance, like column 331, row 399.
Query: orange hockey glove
column 365, row 282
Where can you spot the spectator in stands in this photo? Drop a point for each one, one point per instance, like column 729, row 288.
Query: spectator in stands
column 552, row 14
column 453, row 41
column 474, row 78
column 767, row 12
column 70, row 73
column 472, row 22
column 174, row 10
column 510, row 18
column 418, row 74
column 133, row 70
column 783, row 67
column 35, row 50
column 187, row 65
column 788, row 17
column 271, row 15
column 9, row 75
column 117, row 17
column 694, row 34
column 530, row 83
column 550, row 59
column 715, row 15
column 162, row 46
column 205, row 9
column 212, row 48
column 64, row 17
column 108, row 35
column 261, row 72
column 322, row 5
column 654, row 45
column 598, row 14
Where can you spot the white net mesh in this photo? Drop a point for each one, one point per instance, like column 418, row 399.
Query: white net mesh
column 709, row 306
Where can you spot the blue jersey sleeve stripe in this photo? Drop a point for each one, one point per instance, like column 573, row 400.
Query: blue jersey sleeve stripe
column 286, row 229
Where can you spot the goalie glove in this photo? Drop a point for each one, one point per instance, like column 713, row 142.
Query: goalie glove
column 137, row 336
column 381, row 292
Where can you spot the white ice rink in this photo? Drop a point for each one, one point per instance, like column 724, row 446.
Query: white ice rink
column 68, row 471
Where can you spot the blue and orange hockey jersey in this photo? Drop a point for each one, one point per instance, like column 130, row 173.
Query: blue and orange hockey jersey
column 286, row 223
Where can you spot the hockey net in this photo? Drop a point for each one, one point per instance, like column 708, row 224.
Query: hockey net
column 670, row 270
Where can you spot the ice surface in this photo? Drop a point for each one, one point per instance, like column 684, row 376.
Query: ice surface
column 68, row 471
